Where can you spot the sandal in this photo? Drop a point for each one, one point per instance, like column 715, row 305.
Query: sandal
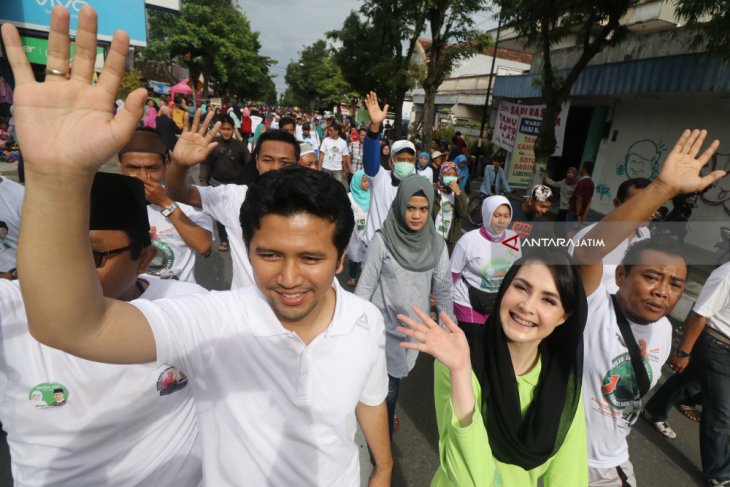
column 691, row 412
column 223, row 247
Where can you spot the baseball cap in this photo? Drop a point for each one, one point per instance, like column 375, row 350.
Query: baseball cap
column 540, row 192
column 401, row 145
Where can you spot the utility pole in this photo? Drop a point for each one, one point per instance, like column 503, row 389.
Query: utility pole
column 491, row 79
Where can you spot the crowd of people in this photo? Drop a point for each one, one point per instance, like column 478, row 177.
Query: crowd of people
column 118, row 369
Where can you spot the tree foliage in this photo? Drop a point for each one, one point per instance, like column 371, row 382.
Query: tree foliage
column 454, row 37
column 710, row 22
column 544, row 23
column 131, row 80
column 315, row 80
column 376, row 47
column 213, row 38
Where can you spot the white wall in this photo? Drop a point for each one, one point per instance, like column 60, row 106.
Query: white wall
column 647, row 130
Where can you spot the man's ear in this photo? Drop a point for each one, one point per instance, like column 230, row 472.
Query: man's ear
column 341, row 263
column 620, row 275
column 145, row 257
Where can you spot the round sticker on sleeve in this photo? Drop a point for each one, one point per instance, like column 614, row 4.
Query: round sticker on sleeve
column 171, row 380
column 48, row 395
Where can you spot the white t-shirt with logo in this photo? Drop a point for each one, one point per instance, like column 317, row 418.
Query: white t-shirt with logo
column 608, row 377
column 224, row 204
column 174, row 258
column 70, row 421
column 612, row 260
column 333, row 150
column 356, row 248
column 272, row 410
column 714, row 300
column 482, row 263
column 382, row 194
column 11, row 204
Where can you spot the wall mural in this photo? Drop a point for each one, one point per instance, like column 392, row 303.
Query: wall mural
column 641, row 160
column 719, row 193
column 603, row 190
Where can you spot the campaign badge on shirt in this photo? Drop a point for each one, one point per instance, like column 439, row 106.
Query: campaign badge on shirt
column 164, row 259
column 48, row 395
column 171, row 380
column 620, row 388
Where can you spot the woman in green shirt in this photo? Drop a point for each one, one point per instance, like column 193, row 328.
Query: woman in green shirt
column 521, row 418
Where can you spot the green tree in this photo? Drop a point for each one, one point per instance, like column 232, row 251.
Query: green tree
column 545, row 23
column 315, row 80
column 131, row 80
column 453, row 38
column 709, row 20
column 376, row 47
column 213, row 38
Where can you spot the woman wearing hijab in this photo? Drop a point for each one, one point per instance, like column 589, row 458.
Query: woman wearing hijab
column 423, row 166
column 360, row 202
column 385, row 156
column 520, row 417
column 150, row 117
column 450, row 205
column 462, row 164
column 478, row 265
column 567, row 188
column 405, row 259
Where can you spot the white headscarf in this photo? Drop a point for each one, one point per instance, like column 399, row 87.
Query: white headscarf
column 489, row 206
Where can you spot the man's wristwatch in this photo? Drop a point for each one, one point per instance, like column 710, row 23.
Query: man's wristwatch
column 168, row 211
column 682, row 354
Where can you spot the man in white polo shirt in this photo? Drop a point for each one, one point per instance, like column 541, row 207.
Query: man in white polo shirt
column 628, row 337
column 383, row 182
column 282, row 371
column 275, row 149
column 70, row 421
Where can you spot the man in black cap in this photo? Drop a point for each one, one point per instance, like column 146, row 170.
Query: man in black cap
column 99, row 409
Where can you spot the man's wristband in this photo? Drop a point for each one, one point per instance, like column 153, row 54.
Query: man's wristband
column 682, row 354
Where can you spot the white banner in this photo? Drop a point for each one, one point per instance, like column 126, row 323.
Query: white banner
column 508, row 120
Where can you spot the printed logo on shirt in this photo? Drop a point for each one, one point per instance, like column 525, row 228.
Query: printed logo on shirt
column 620, row 388
column 494, row 270
column 4, row 241
column 162, row 263
column 361, row 224
column 48, row 395
column 522, row 229
column 171, row 380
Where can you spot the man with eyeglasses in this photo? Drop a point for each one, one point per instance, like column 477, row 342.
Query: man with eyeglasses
column 179, row 232
column 274, row 150
column 67, row 419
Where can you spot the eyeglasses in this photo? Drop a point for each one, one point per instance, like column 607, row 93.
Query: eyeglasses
column 101, row 255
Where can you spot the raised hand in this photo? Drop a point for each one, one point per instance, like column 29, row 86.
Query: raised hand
column 449, row 347
column 196, row 142
column 66, row 125
column 680, row 173
column 376, row 114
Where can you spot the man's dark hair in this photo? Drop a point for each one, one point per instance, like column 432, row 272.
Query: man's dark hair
column 335, row 125
column 293, row 190
column 226, row 119
column 634, row 253
column 625, row 187
column 306, row 126
column 277, row 135
column 498, row 158
column 287, row 121
column 4, row 225
column 588, row 166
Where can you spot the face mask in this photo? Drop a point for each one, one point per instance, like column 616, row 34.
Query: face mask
column 403, row 169
column 450, row 179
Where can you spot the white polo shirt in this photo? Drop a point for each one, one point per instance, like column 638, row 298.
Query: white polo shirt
column 223, row 203
column 118, row 425
column 714, row 300
column 272, row 410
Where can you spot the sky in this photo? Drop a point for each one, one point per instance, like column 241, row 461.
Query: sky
column 286, row 26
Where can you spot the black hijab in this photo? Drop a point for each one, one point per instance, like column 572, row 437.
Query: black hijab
column 530, row 441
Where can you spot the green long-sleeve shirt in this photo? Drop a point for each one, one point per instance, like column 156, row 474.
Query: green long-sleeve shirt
column 467, row 460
